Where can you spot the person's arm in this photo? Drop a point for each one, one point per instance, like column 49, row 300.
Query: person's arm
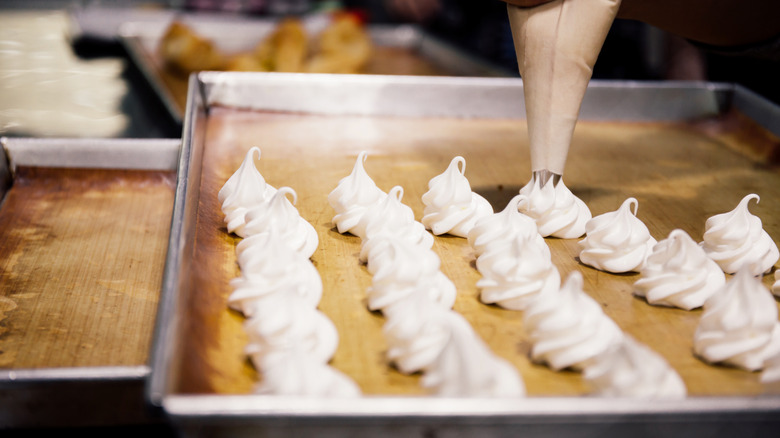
column 725, row 23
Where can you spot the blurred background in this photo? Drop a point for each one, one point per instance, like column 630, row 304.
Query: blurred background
column 65, row 73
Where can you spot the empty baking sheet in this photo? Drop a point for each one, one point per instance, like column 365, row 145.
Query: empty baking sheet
column 83, row 233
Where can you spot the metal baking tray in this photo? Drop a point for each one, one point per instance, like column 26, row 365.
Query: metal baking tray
column 141, row 39
column 209, row 414
column 90, row 395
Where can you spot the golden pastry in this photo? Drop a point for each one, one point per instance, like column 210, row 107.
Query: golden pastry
column 285, row 49
column 184, row 52
column 343, row 47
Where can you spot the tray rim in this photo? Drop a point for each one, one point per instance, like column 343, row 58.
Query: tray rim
column 130, row 154
column 224, row 410
column 119, row 153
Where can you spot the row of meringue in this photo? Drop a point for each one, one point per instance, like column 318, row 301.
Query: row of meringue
column 566, row 327
column 513, row 258
column 289, row 340
column 517, row 270
column 619, row 242
column 450, row 205
column 676, row 271
column 423, row 333
column 615, row 242
column 251, row 206
column 739, row 324
column 569, row 330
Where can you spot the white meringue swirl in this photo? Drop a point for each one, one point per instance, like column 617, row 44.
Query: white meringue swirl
column 295, row 374
column 738, row 238
column 515, row 271
column 390, row 218
column 280, row 324
column 776, row 286
column 631, row 369
column 352, row 196
column 467, row 368
column 555, row 209
column 276, row 269
column 567, row 328
column 739, row 325
column 245, row 189
column 502, row 226
column 450, row 205
column 415, row 331
column 679, row 274
column 280, row 217
column 617, row 241
column 401, row 269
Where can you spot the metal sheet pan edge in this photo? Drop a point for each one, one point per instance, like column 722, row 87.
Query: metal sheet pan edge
column 39, row 397
column 469, row 416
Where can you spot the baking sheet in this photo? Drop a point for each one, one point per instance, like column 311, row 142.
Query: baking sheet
column 83, row 230
column 399, row 49
column 672, row 158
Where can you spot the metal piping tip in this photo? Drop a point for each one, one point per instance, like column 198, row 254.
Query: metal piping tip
column 545, row 175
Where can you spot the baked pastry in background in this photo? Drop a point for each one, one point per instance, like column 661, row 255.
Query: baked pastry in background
column 184, row 51
column 343, row 47
column 285, row 49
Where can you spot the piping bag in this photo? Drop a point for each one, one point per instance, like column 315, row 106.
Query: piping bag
column 557, row 44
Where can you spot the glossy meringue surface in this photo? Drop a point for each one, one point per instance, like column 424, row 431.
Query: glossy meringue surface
column 617, row 241
column 502, row 226
column 245, row 189
column 391, row 218
column 450, row 205
column 296, row 375
column 737, row 238
column 555, row 209
column 400, row 269
column 567, row 328
column 631, row 369
column 352, row 196
column 282, row 324
column 279, row 216
column 467, row 367
column 678, row 273
column 273, row 269
column 416, row 332
column 739, row 325
column 515, row 271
